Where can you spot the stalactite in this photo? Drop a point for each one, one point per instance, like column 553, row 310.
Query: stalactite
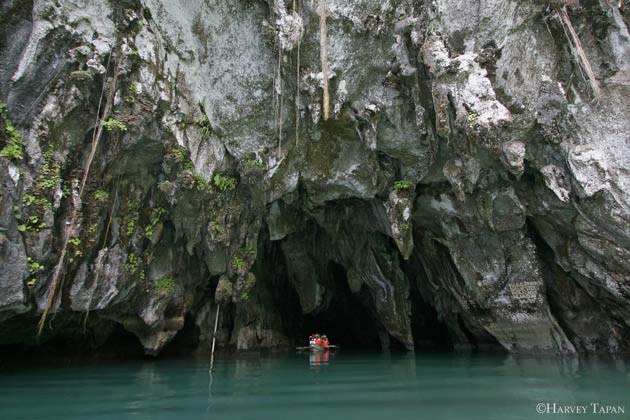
column 323, row 50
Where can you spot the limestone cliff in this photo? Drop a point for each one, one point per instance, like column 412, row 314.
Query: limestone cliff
column 470, row 187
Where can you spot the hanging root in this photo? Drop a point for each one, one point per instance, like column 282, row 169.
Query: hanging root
column 297, row 85
column 580, row 55
column 280, row 106
column 69, row 231
column 323, row 51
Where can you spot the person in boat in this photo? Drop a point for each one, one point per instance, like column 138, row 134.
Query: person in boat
column 324, row 341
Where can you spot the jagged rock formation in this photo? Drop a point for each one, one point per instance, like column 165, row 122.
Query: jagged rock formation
column 468, row 189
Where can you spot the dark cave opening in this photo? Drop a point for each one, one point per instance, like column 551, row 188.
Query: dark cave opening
column 348, row 318
column 72, row 344
column 345, row 319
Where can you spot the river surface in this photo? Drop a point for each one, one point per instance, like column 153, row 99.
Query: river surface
column 344, row 386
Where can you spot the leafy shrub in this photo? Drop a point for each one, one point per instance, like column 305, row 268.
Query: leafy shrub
column 402, row 185
column 114, row 125
column 165, row 284
column 204, row 123
column 156, row 217
column 101, row 196
column 238, row 263
column 15, row 148
column 256, row 163
column 225, row 183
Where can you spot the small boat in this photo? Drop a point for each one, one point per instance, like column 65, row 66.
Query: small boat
column 316, row 348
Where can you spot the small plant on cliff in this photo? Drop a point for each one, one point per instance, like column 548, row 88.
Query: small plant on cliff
column 34, row 268
column 180, row 154
column 255, row 163
column 238, row 263
column 101, row 196
column 76, row 243
column 32, row 224
column 402, row 185
column 201, row 184
column 50, row 175
column 14, row 148
column 131, row 227
column 472, row 119
column 113, row 124
column 204, row 123
column 165, row 284
column 156, row 217
column 225, row 183
column 31, row 200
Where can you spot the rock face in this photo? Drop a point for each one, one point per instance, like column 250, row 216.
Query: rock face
column 162, row 160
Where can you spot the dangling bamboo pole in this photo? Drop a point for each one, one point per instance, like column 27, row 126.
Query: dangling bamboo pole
column 323, row 52
column 214, row 336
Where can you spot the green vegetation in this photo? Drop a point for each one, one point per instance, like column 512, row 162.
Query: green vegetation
column 133, row 91
column 238, row 263
column 204, row 123
column 250, row 250
column 402, row 185
column 156, row 217
column 49, row 176
column 225, row 183
column 81, row 75
column 180, row 154
column 201, row 183
column 132, row 264
column 472, row 119
column 76, row 244
column 131, row 227
column 15, row 147
column 245, row 296
column 114, row 125
column 217, row 229
column 34, row 268
column 137, row 27
column 31, row 200
column 165, row 284
column 255, row 163
column 101, row 196
column 32, row 224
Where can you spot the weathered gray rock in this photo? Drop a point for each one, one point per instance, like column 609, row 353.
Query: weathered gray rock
column 218, row 181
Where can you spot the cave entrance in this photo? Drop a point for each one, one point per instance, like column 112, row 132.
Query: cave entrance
column 344, row 319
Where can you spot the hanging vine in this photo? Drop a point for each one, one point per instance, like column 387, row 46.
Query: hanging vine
column 323, row 52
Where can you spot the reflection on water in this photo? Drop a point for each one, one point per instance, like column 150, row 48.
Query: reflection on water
column 331, row 385
column 319, row 358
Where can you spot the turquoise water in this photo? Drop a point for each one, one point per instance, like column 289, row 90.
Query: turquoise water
column 346, row 387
